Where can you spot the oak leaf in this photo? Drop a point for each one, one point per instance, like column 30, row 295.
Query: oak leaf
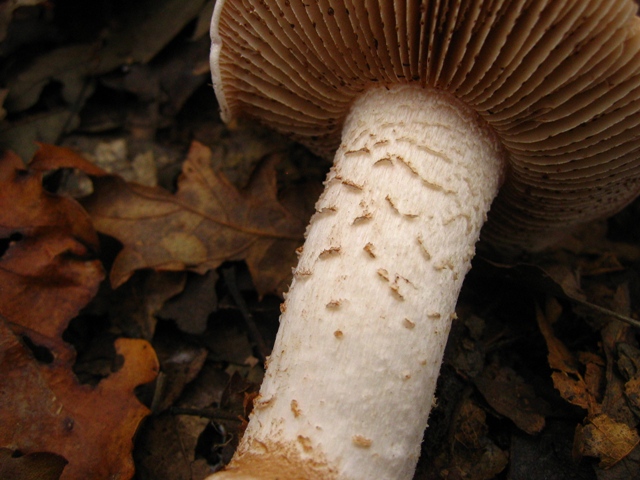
column 44, row 409
column 48, row 265
column 49, row 270
column 206, row 222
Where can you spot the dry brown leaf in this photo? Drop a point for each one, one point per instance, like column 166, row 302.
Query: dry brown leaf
column 207, row 222
column 51, row 157
column 606, row 439
column 628, row 364
column 614, row 402
column 510, row 396
column 167, row 448
column 49, row 268
column 191, row 309
column 133, row 308
column 632, row 391
column 574, row 391
column 44, row 408
column 474, row 456
column 594, row 374
column 181, row 362
column 139, row 37
column 48, row 272
column 566, row 377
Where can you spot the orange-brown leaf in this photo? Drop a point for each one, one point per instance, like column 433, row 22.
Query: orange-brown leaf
column 48, row 271
column 566, row 375
column 48, row 267
column 52, row 157
column 207, row 222
column 43, row 408
column 606, row 439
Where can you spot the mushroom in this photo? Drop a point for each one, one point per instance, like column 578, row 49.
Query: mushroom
column 436, row 111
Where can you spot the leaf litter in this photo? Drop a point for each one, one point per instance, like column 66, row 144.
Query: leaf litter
column 205, row 223
column 195, row 225
column 49, row 270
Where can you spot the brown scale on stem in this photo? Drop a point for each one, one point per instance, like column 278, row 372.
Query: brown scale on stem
column 383, row 161
column 394, row 206
column 352, row 184
column 369, row 249
column 408, row 324
column 360, row 151
column 295, row 408
column 329, row 252
column 334, row 304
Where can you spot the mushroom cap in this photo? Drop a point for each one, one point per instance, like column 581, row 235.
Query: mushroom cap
column 557, row 80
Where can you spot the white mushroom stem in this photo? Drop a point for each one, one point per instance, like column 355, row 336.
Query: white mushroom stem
column 351, row 380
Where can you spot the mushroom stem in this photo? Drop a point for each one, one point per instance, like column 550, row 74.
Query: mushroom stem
column 351, row 380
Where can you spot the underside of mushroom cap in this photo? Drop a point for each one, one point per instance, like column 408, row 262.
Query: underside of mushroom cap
column 557, row 80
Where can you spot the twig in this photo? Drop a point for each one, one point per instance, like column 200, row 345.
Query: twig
column 210, row 413
column 262, row 350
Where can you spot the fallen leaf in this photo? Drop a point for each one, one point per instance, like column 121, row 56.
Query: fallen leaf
column 134, row 306
column 207, row 222
column 171, row 79
column 632, row 391
column 594, row 373
column 204, row 20
column 21, row 135
column 614, row 402
column 474, row 455
column 44, row 408
column 566, row 376
column 181, row 361
column 48, row 266
column 472, row 423
column 48, row 272
column 510, row 396
column 67, row 65
column 629, row 366
column 148, row 28
column 191, row 309
column 140, row 36
column 604, row 438
column 227, row 340
column 626, row 469
column 167, row 449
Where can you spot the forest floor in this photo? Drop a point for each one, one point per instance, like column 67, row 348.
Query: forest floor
column 132, row 349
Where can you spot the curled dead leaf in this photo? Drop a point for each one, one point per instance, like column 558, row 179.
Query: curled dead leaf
column 567, row 377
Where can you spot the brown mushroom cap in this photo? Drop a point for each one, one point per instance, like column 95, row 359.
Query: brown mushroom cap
column 558, row 81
